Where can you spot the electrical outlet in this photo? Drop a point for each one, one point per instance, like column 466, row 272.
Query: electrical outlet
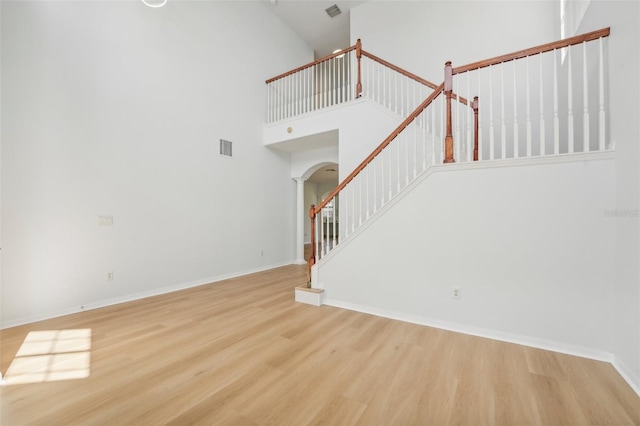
column 110, row 276
column 456, row 293
column 261, row 252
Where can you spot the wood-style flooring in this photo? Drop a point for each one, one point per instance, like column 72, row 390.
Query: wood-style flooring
column 242, row 352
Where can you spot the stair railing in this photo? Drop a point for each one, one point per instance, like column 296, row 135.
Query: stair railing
column 530, row 105
column 394, row 88
column 426, row 137
column 408, row 151
column 342, row 77
column 319, row 84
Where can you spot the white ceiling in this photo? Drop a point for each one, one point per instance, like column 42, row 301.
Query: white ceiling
column 325, row 175
column 310, row 21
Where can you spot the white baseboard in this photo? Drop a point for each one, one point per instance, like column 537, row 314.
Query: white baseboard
column 627, row 374
column 533, row 342
column 135, row 296
column 560, row 347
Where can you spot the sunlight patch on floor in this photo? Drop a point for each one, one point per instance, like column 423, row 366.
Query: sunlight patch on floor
column 51, row 355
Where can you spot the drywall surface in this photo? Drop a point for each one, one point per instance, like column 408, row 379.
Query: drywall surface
column 420, row 36
column 528, row 246
column 362, row 125
column 623, row 55
column 116, row 109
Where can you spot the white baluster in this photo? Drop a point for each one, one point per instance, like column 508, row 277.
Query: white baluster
column 374, row 165
column 296, row 92
column 366, row 174
column 442, row 127
column 340, row 215
column 402, row 87
column 503, row 124
column 305, row 90
column 528, row 111
column 585, row 98
column 516, row 146
column 415, row 148
column 405, row 141
column 384, row 87
column 469, row 118
column 456, row 121
column 423, row 130
column 322, row 230
column 491, row 130
column 344, row 208
column 335, row 220
column 302, row 99
column 285, row 97
column 543, row 142
column 395, row 95
column 371, row 90
column 360, row 197
column 396, row 142
column 326, row 83
column 352, row 185
column 556, row 119
column 310, row 87
column 570, row 100
column 601, row 115
column 480, row 123
column 433, row 132
column 343, row 79
column 390, row 161
column 282, row 87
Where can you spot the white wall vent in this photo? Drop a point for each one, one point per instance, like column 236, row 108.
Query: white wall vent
column 226, row 148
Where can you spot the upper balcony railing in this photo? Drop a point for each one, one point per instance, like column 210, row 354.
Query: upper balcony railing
column 341, row 77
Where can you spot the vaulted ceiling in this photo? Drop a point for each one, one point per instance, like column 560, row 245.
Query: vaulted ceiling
column 309, row 19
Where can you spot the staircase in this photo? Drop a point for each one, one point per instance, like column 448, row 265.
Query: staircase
column 545, row 102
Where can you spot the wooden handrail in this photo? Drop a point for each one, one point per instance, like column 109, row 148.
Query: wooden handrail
column 594, row 35
column 380, row 147
column 400, row 70
column 311, row 64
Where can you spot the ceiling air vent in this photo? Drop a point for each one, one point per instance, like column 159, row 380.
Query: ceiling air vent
column 333, row 11
column 226, row 148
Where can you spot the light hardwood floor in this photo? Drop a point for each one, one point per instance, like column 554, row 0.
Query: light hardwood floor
column 243, row 352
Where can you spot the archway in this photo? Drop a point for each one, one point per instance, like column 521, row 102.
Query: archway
column 317, row 181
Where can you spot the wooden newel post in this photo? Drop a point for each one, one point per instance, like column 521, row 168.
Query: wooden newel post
column 474, row 105
column 358, row 58
column 312, row 256
column 448, row 91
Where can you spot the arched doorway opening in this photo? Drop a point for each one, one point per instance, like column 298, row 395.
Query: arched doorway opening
column 317, row 182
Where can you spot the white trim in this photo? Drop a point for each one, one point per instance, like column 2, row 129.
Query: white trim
column 627, row 374
column 518, row 339
column 136, row 296
column 310, row 296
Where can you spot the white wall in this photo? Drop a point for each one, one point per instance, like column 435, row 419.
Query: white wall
column 528, row 245
column 362, row 124
column 420, row 36
column 114, row 108
column 624, row 91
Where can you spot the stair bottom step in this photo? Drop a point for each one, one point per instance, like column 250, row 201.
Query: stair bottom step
column 310, row 296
